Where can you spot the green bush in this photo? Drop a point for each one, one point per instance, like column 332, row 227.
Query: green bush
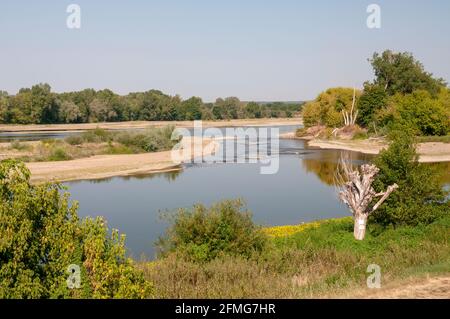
column 420, row 197
column 360, row 135
column 418, row 111
column 97, row 135
column 59, row 154
column 74, row 140
column 202, row 234
column 41, row 236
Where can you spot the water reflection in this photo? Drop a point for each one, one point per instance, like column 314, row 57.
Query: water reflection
column 169, row 176
column 325, row 163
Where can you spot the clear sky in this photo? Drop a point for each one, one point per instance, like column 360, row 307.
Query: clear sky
column 255, row 50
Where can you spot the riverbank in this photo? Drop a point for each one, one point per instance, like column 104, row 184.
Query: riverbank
column 318, row 260
column 429, row 152
column 105, row 166
column 37, row 128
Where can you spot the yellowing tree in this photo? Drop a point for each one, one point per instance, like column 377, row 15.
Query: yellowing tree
column 327, row 108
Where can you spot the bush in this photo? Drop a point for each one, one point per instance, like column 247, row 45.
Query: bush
column 420, row 197
column 41, row 236
column 17, row 145
column 418, row 111
column 202, row 234
column 74, row 140
column 97, row 135
column 59, row 154
column 360, row 135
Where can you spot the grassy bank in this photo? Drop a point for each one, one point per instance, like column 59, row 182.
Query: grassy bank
column 319, row 259
column 93, row 142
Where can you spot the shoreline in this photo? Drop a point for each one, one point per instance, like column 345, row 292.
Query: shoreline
column 429, row 152
column 55, row 128
column 107, row 166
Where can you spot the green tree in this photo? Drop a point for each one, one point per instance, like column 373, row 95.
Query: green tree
column 4, row 106
column 253, row 110
column 41, row 236
column 419, row 111
column 420, row 197
column 401, row 73
column 70, row 112
column 192, row 108
column 373, row 98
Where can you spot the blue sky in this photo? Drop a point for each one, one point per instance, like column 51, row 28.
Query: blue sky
column 255, row 50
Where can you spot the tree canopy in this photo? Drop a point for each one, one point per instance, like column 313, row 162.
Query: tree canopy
column 39, row 104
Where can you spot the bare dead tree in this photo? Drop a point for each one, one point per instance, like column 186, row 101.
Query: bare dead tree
column 356, row 191
column 350, row 118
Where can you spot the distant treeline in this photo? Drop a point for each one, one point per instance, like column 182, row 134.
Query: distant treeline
column 39, row 104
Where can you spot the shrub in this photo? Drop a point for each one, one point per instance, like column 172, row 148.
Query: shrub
column 360, row 135
column 420, row 197
column 17, row 145
column 97, row 135
column 41, row 236
column 59, row 154
column 74, row 140
column 418, row 111
column 202, row 233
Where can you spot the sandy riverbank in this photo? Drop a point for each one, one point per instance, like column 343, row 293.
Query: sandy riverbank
column 430, row 152
column 35, row 128
column 104, row 166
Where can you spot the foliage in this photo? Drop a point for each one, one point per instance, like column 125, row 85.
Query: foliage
column 401, row 73
column 40, row 105
column 326, row 108
column 41, row 235
column 419, row 111
column 420, row 197
column 373, row 98
column 202, row 233
column 321, row 260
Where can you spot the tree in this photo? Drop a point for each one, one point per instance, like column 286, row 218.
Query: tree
column 192, row 108
column 327, row 108
column 4, row 105
column 373, row 99
column 253, row 110
column 358, row 194
column 70, row 112
column 420, row 197
column 101, row 111
column 41, row 238
column 419, row 111
column 401, row 73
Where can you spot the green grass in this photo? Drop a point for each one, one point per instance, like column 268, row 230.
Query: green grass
column 316, row 261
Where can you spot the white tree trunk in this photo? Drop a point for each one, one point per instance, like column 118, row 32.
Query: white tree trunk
column 358, row 194
column 359, row 230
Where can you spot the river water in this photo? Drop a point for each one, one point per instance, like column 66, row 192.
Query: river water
column 301, row 191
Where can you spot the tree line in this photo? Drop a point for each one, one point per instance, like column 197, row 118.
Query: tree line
column 39, row 105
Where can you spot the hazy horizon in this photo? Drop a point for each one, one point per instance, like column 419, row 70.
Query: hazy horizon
column 272, row 51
